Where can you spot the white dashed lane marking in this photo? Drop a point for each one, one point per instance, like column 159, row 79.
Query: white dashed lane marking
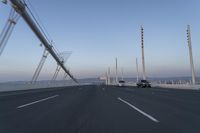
column 140, row 111
column 24, row 105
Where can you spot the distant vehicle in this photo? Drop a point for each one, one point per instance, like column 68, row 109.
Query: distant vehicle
column 143, row 84
column 121, row 83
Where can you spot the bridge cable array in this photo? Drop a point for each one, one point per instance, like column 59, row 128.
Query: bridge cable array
column 63, row 56
column 18, row 8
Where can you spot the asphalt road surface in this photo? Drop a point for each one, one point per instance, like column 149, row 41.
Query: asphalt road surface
column 100, row 109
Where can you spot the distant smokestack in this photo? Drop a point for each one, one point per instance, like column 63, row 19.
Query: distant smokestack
column 137, row 70
column 116, row 70
column 106, row 78
column 190, row 54
column 142, row 47
column 122, row 73
column 109, row 76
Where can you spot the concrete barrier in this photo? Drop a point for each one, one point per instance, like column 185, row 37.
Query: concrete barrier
column 14, row 86
column 173, row 86
column 178, row 86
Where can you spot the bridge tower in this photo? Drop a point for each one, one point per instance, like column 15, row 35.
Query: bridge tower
column 142, row 48
column 190, row 54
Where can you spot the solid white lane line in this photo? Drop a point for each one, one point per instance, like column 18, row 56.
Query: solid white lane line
column 37, row 101
column 137, row 109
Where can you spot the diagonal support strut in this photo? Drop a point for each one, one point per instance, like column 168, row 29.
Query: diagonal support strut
column 8, row 28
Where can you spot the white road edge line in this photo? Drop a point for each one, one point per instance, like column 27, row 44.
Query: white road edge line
column 37, row 101
column 140, row 111
column 20, row 93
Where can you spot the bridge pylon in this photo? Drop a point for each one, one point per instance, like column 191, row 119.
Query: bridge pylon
column 189, row 40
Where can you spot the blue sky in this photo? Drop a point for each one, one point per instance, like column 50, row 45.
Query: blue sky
column 97, row 31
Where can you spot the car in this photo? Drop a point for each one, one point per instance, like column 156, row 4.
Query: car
column 121, row 83
column 144, row 83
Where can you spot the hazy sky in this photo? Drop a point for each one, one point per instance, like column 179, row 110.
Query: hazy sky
column 97, row 31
